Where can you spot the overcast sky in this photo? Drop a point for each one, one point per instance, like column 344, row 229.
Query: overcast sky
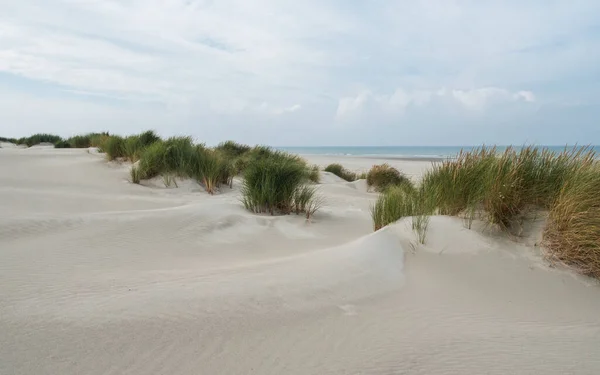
column 309, row 72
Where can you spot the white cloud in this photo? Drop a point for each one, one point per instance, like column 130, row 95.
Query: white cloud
column 352, row 107
column 479, row 99
column 273, row 61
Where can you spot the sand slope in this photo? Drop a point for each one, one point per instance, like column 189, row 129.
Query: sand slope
column 99, row 276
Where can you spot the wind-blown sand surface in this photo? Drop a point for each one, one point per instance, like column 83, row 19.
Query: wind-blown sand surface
column 100, row 276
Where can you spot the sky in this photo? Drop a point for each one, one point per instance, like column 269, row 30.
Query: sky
column 305, row 73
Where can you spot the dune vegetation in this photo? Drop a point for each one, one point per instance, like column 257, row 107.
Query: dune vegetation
column 503, row 189
column 341, row 172
column 381, row 177
column 507, row 189
column 78, row 141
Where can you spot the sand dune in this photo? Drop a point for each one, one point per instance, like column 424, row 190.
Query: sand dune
column 100, row 276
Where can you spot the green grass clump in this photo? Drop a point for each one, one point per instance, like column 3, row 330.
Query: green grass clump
column 152, row 161
column 233, row 149
column 134, row 174
column 39, row 138
column 314, row 174
column 395, row 203
column 114, row 147
column 572, row 235
column 340, row 171
column 271, row 184
column 212, row 170
column 505, row 186
column 79, row 141
column 98, row 139
column 9, row 140
column 147, row 138
column 381, row 177
column 62, row 144
column 132, row 148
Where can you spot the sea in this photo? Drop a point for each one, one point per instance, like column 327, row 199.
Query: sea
column 409, row 152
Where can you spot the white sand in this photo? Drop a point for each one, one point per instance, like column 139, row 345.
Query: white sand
column 99, row 276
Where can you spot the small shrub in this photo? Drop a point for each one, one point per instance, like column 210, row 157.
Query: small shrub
column 341, row 172
column 113, row 146
column 380, row 177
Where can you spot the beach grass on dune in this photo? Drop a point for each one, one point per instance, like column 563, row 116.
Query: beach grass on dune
column 501, row 188
column 381, row 177
column 341, row 172
column 504, row 189
column 314, row 174
column 572, row 235
column 275, row 182
column 114, row 147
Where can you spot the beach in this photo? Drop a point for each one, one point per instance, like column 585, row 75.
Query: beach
column 102, row 276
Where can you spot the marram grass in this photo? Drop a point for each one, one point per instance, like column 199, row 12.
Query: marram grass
column 504, row 189
column 381, row 177
column 341, row 172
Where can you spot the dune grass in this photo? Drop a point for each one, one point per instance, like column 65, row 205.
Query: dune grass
column 9, row 140
column 502, row 186
column 395, row 203
column 314, row 174
column 135, row 175
column 381, row 177
column 114, row 147
column 36, row 139
column 132, row 148
column 341, row 172
column 275, row 182
column 572, row 235
column 504, row 189
column 233, row 149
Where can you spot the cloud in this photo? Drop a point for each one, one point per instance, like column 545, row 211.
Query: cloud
column 281, row 64
column 476, row 100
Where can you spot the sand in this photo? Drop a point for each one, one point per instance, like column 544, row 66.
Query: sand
column 100, row 276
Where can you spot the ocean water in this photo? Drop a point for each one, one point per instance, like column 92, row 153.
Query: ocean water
column 426, row 152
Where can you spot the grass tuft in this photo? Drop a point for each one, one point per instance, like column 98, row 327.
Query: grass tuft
column 572, row 235
column 135, row 175
column 341, row 172
column 314, row 175
column 114, row 147
column 381, row 177
column 272, row 183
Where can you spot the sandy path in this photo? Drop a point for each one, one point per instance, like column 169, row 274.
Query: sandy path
column 99, row 276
